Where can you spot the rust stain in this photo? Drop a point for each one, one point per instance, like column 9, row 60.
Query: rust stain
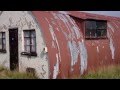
column 68, row 51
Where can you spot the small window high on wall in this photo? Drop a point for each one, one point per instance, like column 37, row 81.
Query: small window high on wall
column 95, row 29
column 2, row 42
column 29, row 42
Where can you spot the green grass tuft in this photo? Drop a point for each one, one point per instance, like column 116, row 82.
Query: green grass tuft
column 111, row 72
column 7, row 74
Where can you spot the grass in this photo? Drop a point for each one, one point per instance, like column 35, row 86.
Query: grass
column 7, row 74
column 110, row 72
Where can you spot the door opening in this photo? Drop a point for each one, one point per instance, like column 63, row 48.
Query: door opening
column 13, row 44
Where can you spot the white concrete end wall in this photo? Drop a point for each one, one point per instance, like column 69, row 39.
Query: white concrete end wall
column 24, row 20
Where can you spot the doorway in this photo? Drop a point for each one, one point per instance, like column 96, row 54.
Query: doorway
column 13, row 44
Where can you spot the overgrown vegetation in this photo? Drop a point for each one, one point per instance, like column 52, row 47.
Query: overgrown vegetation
column 111, row 72
column 7, row 74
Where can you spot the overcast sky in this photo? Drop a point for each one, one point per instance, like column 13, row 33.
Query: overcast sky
column 109, row 13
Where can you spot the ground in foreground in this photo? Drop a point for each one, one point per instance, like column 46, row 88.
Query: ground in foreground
column 7, row 74
column 110, row 72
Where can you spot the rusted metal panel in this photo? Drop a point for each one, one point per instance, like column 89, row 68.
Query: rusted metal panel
column 69, row 53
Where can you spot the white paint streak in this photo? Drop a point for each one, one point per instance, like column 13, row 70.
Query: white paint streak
column 71, row 34
column 115, row 23
column 83, row 56
column 77, row 32
column 53, row 45
column 74, row 52
column 75, row 28
column 111, row 27
column 54, row 15
column 75, row 48
column 54, row 38
column 56, row 68
column 58, row 56
column 97, row 49
column 103, row 47
column 63, row 18
column 52, row 32
column 112, row 48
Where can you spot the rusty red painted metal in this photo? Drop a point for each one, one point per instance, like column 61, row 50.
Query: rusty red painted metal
column 68, row 51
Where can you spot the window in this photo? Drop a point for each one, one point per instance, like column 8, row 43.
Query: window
column 95, row 29
column 2, row 42
column 29, row 43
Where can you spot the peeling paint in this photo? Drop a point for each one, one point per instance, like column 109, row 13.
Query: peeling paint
column 112, row 48
column 111, row 27
column 74, row 52
column 58, row 24
column 53, row 45
column 83, row 56
column 102, row 46
column 56, row 68
column 77, row 32
column 44, row 71
column 52, row 32
column 55, row 16
column 111, row 45
column 54, row 38
column 73, row 46
column 63, row 18
column 97, row 49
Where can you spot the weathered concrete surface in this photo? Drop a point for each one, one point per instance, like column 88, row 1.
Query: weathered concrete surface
column 24, row 20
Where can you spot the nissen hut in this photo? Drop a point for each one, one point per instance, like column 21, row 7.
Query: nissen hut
column 58, row 44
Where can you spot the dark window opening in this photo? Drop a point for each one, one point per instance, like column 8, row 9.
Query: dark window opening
column 2, row 42
column 29, row 43
column 95, row 29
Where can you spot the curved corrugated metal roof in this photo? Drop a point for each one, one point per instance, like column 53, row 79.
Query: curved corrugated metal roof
column 69, row 53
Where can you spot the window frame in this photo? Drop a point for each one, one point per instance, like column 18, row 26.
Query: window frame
column 31, row 53
column 2, row 50
column 96, row 30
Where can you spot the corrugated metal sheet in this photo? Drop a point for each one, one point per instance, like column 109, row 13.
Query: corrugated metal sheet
column 69, row 53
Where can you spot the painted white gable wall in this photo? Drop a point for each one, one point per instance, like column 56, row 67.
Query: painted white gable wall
column 23, row 20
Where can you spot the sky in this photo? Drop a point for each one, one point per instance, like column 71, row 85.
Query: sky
column 109, row 13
